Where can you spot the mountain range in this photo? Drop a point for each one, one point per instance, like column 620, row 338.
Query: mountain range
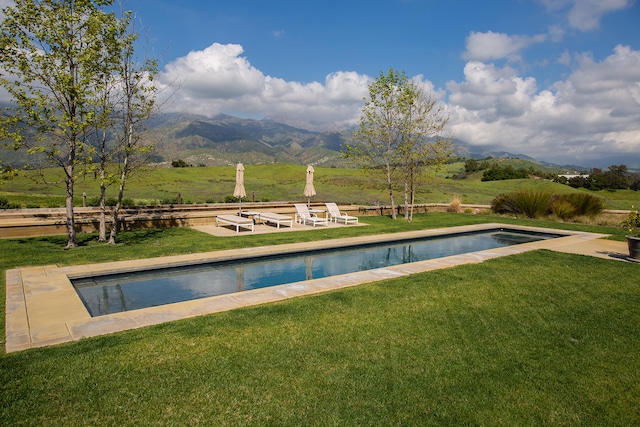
column 227, row 140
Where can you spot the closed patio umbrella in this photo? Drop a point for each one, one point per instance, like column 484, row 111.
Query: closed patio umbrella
column 239, row 190
column 309, row 190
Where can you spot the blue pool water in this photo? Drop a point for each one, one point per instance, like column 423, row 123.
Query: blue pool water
column 130, row 291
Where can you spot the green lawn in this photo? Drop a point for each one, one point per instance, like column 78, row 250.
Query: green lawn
column 537, row 338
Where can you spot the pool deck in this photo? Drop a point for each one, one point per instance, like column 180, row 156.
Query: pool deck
column 43, row 308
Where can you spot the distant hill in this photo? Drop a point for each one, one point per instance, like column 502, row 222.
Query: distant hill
column 226, row 140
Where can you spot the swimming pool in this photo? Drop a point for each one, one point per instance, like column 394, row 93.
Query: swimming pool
column 113, row 293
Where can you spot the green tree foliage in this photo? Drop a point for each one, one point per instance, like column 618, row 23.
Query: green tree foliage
column 6, row 173
column 500, row 173
column 471, row 166
column 179, row 164
column 399, row 134
column 54, row 56
column 616, row 178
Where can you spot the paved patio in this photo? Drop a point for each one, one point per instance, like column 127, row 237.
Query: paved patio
column 260, row 228
column 44, row 309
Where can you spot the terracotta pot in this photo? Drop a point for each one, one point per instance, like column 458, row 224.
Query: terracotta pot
column 634, row 247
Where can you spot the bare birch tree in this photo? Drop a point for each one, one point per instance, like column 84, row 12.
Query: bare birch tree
column 136, row 105
column 52, row 55
column 399, row 135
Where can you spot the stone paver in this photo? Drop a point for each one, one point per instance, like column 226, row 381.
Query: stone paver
column 44, row 309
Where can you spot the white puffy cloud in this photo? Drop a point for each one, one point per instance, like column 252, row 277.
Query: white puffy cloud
column 593, row 114
column 490, row 46
column 585, row 15
column 217, row 79
column 217, row 71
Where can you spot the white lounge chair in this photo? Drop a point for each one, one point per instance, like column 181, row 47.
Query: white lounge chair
column 275, row 218
column 305, row 217
column 236, row 221
column 337, row 216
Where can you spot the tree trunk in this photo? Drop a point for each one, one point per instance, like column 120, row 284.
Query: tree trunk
column 123, row 180
column 413, row 201
column 390, row 188
column 115, row 224
column 72, row 240
column 102, row 232
column 102, row 237
column 406, row 200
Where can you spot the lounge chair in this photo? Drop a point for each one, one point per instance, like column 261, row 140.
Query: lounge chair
column 337, row 216
column 274, row 218
column 305, row 217
column 235, row 220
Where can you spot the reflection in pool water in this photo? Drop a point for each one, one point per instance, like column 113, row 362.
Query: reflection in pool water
column 130, row 291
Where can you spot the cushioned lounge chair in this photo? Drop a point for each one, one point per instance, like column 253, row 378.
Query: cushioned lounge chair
column 337, row 216
column 305, row 217
column 236, row 221
column 274, row 218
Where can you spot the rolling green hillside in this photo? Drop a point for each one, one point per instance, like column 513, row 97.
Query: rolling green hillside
column 285, row 182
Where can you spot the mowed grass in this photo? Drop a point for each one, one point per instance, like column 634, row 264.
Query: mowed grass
column 552, row 342
column 533, row 339
column 285, row 182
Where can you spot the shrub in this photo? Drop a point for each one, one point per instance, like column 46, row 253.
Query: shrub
column 562, row 208
column 454, row 205
column 632, row 222
column 498, row 173
column 180, row 164
column 169, row 201
column 5, row 204
column 532, row 204
column 110, row 201
column 501, row 204
column 585, row 204
column 230, row 199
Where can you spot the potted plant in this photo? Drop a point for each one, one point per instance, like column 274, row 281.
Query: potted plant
column 632, row 224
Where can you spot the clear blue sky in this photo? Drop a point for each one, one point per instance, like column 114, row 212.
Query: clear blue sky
column 304, row 41
column 558, row 80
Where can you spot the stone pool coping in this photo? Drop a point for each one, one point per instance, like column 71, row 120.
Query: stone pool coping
column 43, row 308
